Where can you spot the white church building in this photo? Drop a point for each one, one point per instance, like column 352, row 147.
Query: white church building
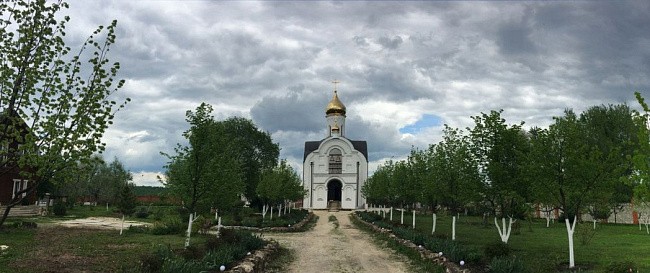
column 335, row 168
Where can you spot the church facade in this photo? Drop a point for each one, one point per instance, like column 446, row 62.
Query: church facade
column 335, row 168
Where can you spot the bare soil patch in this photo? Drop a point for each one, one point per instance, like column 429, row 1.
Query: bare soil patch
column 99, row 222
column 328, row 248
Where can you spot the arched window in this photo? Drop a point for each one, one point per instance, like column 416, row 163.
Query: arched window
column 335, row 162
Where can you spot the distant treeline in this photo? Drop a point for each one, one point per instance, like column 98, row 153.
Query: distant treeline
column 149, row 190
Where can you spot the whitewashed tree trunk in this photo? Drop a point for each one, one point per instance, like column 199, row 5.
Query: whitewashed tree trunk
column 505, row 232
column 391, row 214
column 265, row 209
column 594, row 224
column 433, row 229
column 413, row 219
column 548, row 218
column 640, row 221
column 271, row 214
column 219, row 226
column 216, row 214
column 453, row 228
column 569, row 230
column 647, row 223
column 189, row 230
column 122, row 227
column 280, row 210
column 402, row 219
column 106, row 206
column 290, row 205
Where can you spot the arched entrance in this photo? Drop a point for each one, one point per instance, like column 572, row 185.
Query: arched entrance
column 334, row 190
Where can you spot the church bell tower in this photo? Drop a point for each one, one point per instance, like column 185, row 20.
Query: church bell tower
column 335, row 115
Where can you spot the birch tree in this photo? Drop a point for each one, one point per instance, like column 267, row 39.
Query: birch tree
column 56, row 102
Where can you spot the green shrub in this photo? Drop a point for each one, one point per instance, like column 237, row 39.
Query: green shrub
column 168, row 226
column 138, row 229
column 179, row 265
column 250, row 222
column 59, row 209
column 622, row 267
column 150, row 263
column 142, row 213
column 496, row 249
column 192, row 252
column 507, row 265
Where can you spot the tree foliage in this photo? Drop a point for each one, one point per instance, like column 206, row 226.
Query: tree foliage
column 500, row 151
column 255, row 151
column 582, row 160
column 56, row 105
column 280, row 184
column 206, row 173
column 580, row 163
column 640, row 176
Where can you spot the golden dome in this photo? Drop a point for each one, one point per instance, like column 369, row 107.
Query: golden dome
column 335, row 106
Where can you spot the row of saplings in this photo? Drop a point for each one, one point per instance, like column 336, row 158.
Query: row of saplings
column 495, row 257
column 216, row 252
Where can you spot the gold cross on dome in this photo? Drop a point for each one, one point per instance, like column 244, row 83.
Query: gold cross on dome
column 335, row 82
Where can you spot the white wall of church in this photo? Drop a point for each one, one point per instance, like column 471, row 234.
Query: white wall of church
column 316, row 176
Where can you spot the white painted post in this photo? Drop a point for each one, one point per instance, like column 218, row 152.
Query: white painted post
column 413, row 219
column 569, row 229
column 434, row 224
column 453, row 228
column 391, row 214
column 402, row 219
column 122, row 227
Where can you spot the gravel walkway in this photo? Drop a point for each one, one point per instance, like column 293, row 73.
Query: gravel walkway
column 344, row 249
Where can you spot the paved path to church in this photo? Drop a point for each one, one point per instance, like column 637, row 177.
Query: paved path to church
column 343, row 249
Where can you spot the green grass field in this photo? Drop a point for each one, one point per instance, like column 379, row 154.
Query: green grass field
column 546, row 249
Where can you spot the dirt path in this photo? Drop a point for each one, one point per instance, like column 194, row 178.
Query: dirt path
column 99, row 222
column 343, row 249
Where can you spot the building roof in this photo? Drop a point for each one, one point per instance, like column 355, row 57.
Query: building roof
column 358, row 145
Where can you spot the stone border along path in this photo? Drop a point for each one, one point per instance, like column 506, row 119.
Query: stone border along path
column 343, row 249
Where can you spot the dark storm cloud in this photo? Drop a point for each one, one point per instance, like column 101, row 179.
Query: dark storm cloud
column 303, row 112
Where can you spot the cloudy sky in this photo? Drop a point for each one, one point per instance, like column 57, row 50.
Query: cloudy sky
column 405, row 68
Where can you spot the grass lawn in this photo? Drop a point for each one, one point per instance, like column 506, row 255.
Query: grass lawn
column 58, row 249
column 546, row 249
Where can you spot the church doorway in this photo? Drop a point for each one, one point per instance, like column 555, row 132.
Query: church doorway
column 334, row 190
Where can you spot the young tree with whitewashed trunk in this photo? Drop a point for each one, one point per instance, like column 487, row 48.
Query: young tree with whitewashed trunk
column 500, row 151
column 205, row 174
column 55, row 105
column 278, row 185
column 575, row 163
column 505, row 232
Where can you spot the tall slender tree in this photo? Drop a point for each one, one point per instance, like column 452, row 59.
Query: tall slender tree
column 55, row 105
column 206, row 173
